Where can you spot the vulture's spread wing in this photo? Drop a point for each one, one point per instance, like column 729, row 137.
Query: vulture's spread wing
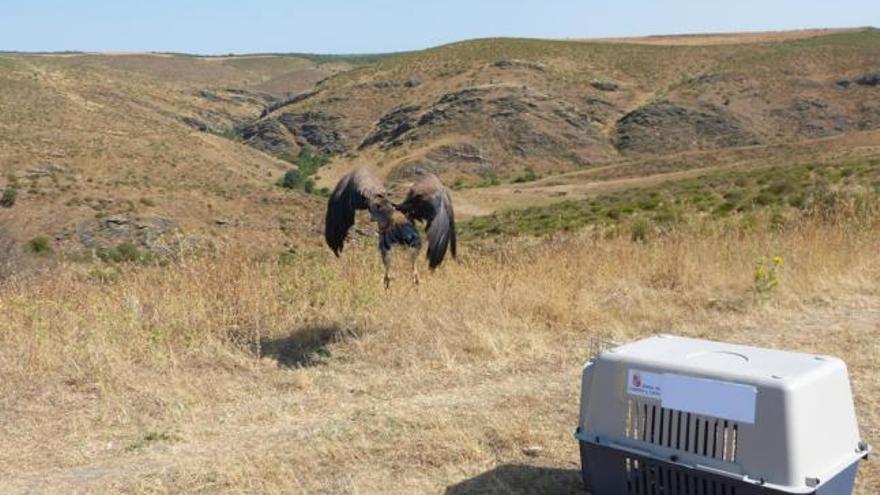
column 353, row 192
column 429, row 200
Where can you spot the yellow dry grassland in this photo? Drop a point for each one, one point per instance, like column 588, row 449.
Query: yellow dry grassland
column 230, row 372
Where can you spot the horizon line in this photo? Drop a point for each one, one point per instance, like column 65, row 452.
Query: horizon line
column 572, row 39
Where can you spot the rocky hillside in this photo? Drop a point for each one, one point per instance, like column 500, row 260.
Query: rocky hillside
column 494, row 108
column 102, row 151
column 161, row 151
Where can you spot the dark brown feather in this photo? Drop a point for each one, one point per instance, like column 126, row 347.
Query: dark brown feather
column 430, row 201
column 354, row 192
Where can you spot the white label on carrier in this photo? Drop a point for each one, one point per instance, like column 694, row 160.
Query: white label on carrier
column 645, row 384
column 718, row 399
column 715, row 398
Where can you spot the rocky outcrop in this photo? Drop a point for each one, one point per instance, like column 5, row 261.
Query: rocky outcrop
column 511, row 63
column 320, row 130
column 512, row 119
column 716, row 78
column 814, row 118
column 666, row 127
column 234, row 95
column 600, row 110
column 199, row 125
column 285, row 133
column 505, row 106
column 288, row 100
column 405, row 123
column 391, row 84
column 605, row 85
column 391, row 126
column 151, row 233
column 268, row 135
column 462, row 158
column 869, row 116
column 872, row 79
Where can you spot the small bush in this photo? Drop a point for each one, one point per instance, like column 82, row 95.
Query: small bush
column 128, row 252
column 10, row 194
column 301, row 178
column 40, row 245
column 528, row 175
column 309, row 186
column 765, row 199
column 766, row 276
column 149, row 438
column 639, row 230
column 123, row 253
column 292, row 179
column 488, row 180
column 777, row 220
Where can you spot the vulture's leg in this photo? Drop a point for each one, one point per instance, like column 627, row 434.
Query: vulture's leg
column 413, row 259
column 386, row 260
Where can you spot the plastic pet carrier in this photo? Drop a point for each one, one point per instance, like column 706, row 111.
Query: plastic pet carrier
column 677, row 416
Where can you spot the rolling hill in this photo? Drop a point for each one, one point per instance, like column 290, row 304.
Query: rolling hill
column 716, row 186
column 132, row 148
column 485, row 109
column 111, row 149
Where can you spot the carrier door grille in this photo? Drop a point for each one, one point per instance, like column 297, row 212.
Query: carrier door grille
column 647, row 478
column 705, row 436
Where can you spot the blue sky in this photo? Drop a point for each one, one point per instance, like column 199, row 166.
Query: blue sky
column 349, row 26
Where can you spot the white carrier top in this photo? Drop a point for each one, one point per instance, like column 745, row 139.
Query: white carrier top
column 740, row 363
column 755, row 414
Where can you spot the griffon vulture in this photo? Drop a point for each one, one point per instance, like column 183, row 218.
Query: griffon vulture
column 428, row 200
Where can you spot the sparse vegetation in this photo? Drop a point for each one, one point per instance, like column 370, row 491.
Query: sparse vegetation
column 10, row 194
column 766, row 277
column 40, row 246
column 125, row 252
column 148, row 438
column 823, row 190
column 302, row 177
column 293, row 179
column 528, row 175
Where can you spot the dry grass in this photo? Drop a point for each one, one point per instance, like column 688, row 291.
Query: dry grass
column 708, row 39
column 232, row 373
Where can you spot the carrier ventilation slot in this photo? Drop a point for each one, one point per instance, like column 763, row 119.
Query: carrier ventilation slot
column 647, row 478
column 705, row 436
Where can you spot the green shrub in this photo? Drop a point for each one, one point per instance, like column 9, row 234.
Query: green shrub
column 766, row 275
column 123, row 253
column 10, row 194
column 128, row 252
column 765, row 199
column 292, row 179
column 773, row 195
column 301, row 178
column 40, row 245
column 528, row 175
column 639, row 230
column 725, row 208
column 777, row 220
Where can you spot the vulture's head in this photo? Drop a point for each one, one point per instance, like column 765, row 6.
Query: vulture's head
column 381, row 208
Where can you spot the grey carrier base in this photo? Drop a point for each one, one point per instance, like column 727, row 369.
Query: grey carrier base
column 610, row 471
